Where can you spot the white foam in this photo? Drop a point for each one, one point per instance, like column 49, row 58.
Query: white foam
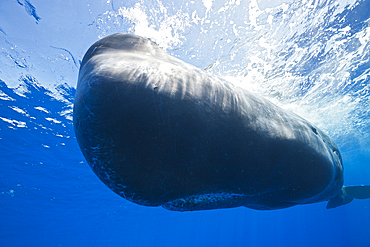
column 207, row 4
column 4, row 96
column 53, row 120
column 40, row 108
column 15, row 123
column 166, row 33
column 19, row 110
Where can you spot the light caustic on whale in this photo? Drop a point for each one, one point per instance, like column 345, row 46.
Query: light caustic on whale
column 161, row 132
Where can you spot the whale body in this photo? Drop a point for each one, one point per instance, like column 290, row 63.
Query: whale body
column 161, row 132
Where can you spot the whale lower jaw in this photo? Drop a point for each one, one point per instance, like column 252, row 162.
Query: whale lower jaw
column 207, row 201
column 226, row 200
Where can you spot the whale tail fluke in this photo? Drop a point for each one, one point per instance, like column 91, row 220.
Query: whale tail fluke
column 349, row 193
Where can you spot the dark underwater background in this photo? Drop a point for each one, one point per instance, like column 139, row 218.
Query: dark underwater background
column 309, row 57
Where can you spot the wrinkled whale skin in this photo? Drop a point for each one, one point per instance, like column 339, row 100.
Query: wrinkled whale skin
column 161, row 132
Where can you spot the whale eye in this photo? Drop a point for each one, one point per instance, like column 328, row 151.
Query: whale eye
column 314, row 130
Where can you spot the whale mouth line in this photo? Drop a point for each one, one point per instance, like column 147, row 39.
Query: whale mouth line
column 204, row 201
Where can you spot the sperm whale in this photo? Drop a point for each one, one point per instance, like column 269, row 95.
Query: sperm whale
column 161, row 132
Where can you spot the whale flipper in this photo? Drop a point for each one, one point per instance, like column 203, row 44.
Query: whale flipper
column 349, row 193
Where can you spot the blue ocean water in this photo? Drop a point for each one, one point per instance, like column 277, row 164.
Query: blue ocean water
column 309, row 57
